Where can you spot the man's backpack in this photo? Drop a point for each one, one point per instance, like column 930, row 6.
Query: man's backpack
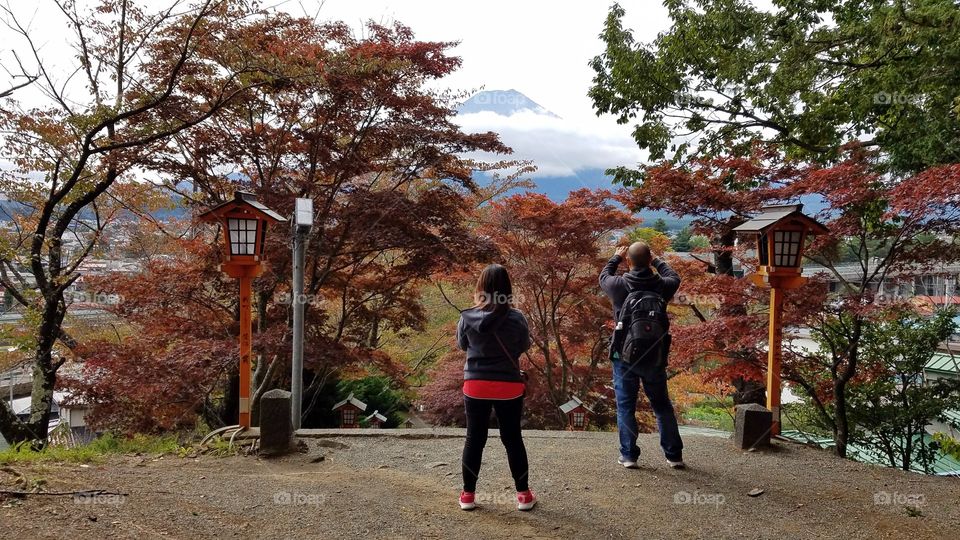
column 644, row 329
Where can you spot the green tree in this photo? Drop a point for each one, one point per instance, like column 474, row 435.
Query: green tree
column 379, row 394
column 660, row 225
column 811, row 75
column 891, row 403
column 681, row 242
column 743, row 88
column 698, row 241
column 948, row 444
column 657, row 241
column 685, row 241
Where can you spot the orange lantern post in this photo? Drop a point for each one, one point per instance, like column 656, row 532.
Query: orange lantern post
column 243, row 221
column 781, row 233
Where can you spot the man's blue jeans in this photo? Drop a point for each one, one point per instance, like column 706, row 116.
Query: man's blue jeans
column 627, row 379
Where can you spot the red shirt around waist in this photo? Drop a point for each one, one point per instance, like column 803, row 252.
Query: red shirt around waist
column 480, row 389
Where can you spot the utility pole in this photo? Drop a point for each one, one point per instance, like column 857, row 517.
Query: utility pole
column 302, row 224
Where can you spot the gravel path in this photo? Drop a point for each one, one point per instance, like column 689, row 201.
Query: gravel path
column 389, row 487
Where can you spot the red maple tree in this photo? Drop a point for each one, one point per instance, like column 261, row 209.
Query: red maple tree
column 554, row 252
column 351, row 124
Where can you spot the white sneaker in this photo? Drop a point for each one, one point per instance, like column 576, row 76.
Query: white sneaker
column 627, row 464
column 677, row 464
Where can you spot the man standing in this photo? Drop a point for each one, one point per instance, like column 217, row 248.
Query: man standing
column 628, row 377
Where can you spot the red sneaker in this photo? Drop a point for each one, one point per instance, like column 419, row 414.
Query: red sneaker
column 467, row 501
column 526, row 500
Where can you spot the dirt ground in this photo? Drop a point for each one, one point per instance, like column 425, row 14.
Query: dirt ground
column 388, row 487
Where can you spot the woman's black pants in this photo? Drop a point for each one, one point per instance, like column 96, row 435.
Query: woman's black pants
column 478, row 422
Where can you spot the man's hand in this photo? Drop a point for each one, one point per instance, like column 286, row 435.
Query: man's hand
column 622, row 252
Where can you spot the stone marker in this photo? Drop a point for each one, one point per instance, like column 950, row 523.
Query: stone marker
column 752, row 426
column 276, row 428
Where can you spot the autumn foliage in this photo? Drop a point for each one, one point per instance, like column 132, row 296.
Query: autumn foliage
column 554, row 252
column 890, row 229
column 350, row 123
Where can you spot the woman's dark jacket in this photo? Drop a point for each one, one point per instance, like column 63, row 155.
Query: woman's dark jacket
column 487, row 358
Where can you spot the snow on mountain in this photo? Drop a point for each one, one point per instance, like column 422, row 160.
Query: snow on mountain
column 568, row 154
column 503, row 103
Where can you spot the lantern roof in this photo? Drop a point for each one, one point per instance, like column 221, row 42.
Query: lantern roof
column 241, row 199
column 352, row 401
column 573, row 404
column 771, row 216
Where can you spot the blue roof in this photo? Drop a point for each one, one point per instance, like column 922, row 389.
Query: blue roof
column 944, row 363
column 944, row 465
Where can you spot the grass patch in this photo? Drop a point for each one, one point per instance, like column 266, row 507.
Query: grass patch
column 106, row 445
column 710, row 414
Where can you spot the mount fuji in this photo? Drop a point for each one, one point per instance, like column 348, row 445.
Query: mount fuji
column 569, row 155
column 503, row 103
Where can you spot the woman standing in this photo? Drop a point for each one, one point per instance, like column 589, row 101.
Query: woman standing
column 494, row 335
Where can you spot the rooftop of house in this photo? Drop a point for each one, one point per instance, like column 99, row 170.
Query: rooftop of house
column 944, row 363
column 945, row 465
column 377, row 415
column 352, row 401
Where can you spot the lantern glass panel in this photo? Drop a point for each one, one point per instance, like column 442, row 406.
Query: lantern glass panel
column 786, row 248
column 578, row 419
column 263, row 237
column 243, row 236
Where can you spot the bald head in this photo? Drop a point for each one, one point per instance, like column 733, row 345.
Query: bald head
column 639, row 255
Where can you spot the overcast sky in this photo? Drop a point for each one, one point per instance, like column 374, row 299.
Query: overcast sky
column 537, row 47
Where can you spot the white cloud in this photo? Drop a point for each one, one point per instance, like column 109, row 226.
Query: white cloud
column 558, row 147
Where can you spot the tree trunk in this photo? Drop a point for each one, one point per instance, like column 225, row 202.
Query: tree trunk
column 908, row 450
column 841, row 433
column 746, row 391
column 34, row 430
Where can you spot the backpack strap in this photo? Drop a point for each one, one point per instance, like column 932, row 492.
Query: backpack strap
column 516, row 361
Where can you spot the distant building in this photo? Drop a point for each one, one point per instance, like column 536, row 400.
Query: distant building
column 937, row 287
column 375, row 420
column 68, row 419
column 414, row 421
column 350, row 410
column 944, row 365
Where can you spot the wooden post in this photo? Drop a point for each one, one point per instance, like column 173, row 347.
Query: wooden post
column 245, row 346
column 774, row 355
